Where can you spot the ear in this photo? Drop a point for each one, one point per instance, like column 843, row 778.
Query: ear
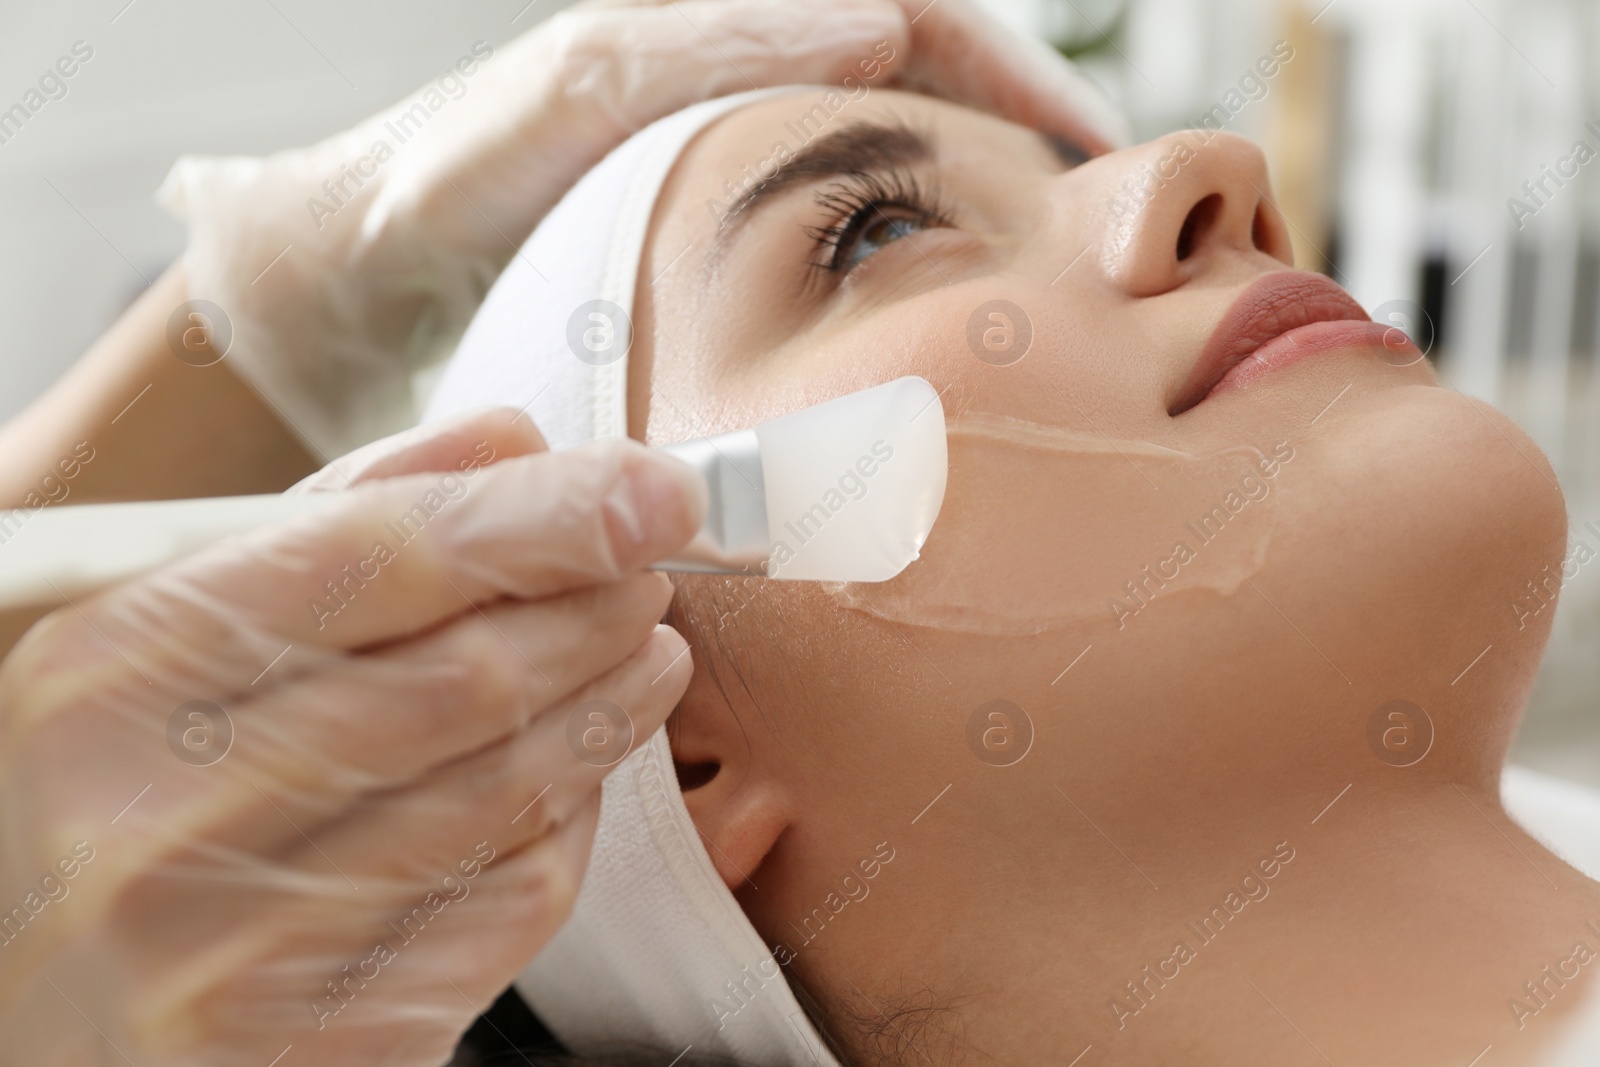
column 740, row 811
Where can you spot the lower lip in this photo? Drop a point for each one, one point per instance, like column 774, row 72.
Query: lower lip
column 1319, row 337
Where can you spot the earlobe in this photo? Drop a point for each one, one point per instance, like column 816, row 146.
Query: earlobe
column 726, row 771
column 739, row 819
column 739, row 816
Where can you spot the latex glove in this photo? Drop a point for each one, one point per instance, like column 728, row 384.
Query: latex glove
column 390, row 820
column 391, row 233
column 960, row 53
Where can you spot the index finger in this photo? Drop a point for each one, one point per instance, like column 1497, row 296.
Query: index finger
column 961, row 54
column 465, row 441
column 402, row 555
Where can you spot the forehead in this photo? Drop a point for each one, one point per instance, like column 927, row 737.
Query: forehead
column 751, row 143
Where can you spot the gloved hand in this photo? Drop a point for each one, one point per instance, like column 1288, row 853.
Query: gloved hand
column 347, row 267
column 330, row 786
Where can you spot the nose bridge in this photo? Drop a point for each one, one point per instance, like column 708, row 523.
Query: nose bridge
column 1173, row 206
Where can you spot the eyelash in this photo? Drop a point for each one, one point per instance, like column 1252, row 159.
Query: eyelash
column 859, row 200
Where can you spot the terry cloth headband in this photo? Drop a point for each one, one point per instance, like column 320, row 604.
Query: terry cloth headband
column 656, row 942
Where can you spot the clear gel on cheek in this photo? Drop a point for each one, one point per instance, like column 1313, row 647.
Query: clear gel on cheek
column 1045, row 527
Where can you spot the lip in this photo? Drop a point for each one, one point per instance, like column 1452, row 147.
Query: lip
column 1280, row 319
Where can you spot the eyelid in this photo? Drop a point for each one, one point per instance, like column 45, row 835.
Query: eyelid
column 856, row 146
column 848, row 199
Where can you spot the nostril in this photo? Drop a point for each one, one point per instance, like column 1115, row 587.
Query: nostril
column 1200, row 220
column 1260, row 231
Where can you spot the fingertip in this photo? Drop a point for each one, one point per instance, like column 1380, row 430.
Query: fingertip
column 656, row 506
column 662, row 590
column 689, row 493
column 670, row 645
column 649, row 595
column 574, row 846
column 488, row 434
column 669, row 640
column 523, row 437
column 462, row 442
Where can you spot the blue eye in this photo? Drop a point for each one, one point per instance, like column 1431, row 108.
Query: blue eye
column 872, row 211
column 876, row 233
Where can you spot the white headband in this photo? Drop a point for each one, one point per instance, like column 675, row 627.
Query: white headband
column 657, row 951
column 522, row 346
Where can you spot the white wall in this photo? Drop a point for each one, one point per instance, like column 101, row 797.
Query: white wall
column 80, row 232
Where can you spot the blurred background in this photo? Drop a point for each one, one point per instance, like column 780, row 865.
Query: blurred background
column 1432, row 155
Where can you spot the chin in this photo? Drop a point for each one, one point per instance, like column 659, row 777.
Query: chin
column 1460, row 475
column 1424, row 516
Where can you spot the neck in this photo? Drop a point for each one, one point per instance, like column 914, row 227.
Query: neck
column 1386, row 923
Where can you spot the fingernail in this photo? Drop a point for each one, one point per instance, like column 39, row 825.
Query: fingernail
column 624, row 507
column 659, row 503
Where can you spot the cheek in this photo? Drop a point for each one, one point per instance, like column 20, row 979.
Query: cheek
column 1011, row 344
column 1432, row 499
column 1409, row 530
column 1000, row 344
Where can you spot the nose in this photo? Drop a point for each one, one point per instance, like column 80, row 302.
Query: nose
column 1181, row 204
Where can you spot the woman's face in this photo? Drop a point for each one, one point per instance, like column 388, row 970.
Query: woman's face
column 1369, row 533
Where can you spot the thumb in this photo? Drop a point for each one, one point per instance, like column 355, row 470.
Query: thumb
column 961, row 53
column 629, row 66
column 469, row 440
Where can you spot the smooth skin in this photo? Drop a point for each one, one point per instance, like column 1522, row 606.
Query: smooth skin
column 1215, row 731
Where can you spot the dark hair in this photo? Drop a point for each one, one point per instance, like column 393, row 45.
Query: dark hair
column 641, row 1057
column 509, row 1034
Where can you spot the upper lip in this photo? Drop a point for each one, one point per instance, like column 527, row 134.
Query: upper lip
column 1273, row 305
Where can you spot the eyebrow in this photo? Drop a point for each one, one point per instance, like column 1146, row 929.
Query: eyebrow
column 857, row 148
